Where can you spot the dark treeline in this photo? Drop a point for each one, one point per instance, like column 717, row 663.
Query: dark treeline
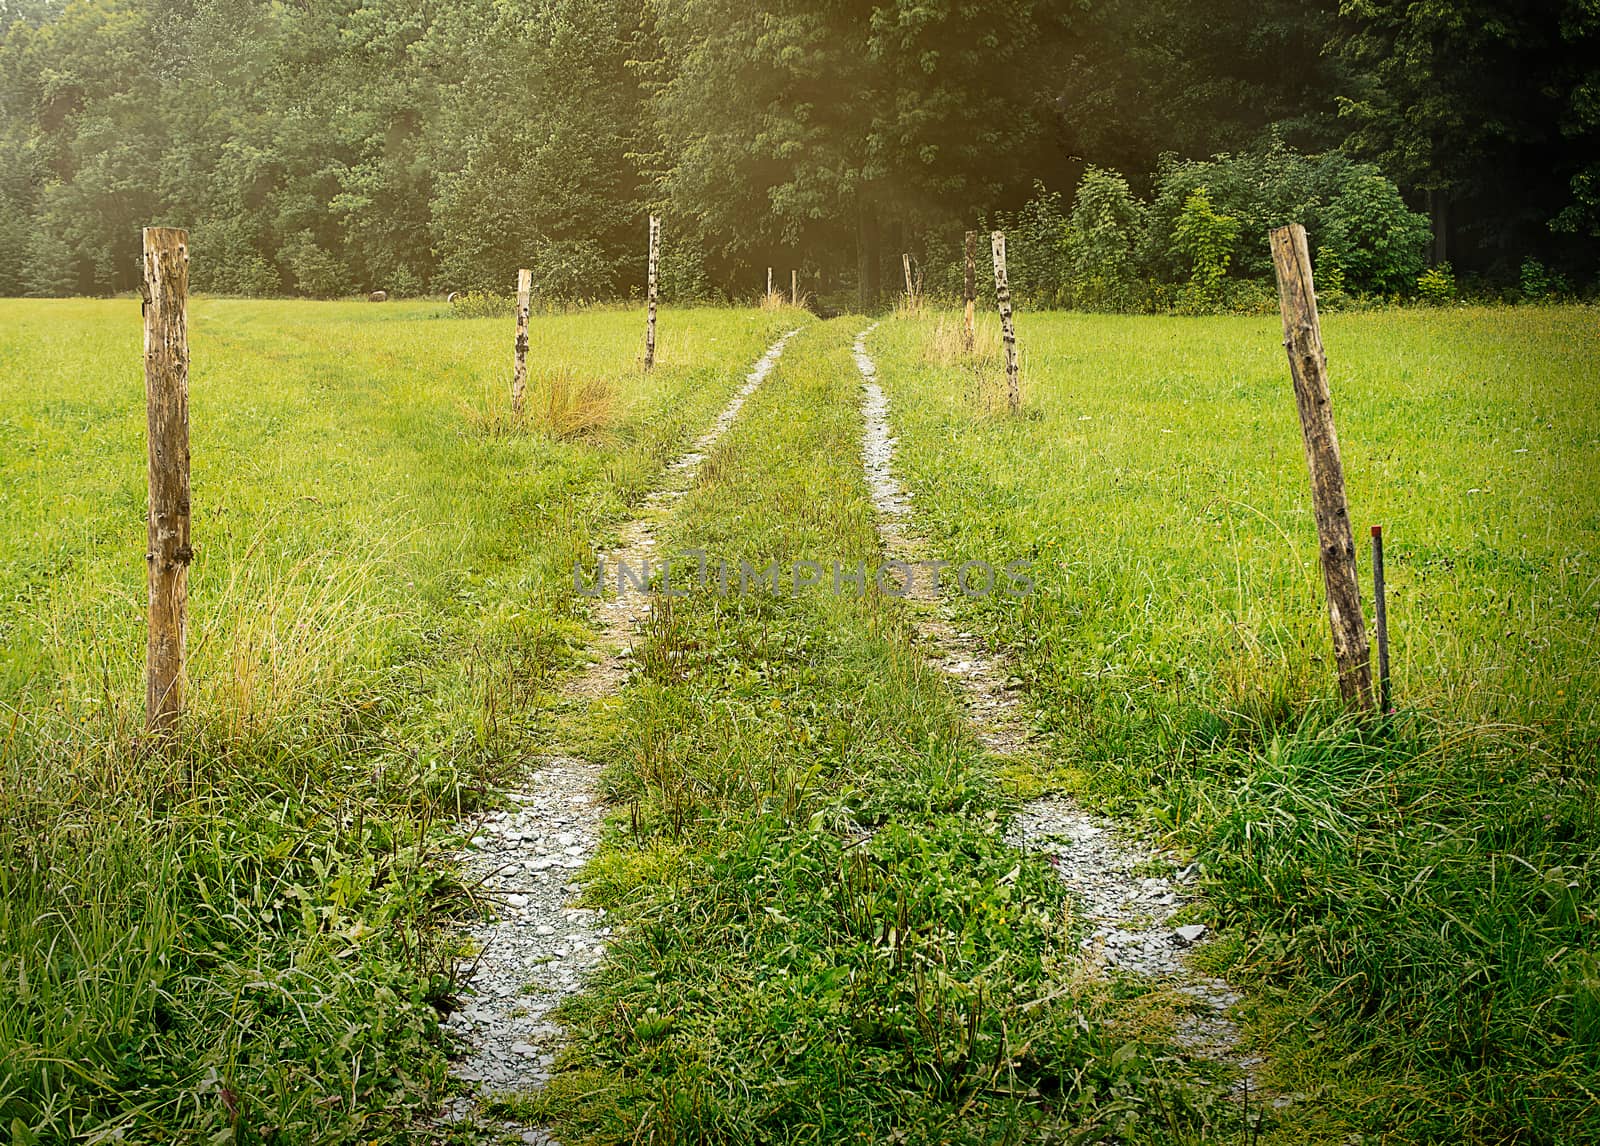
column 320, row 147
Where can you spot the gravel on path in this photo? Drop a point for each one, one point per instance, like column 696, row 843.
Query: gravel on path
column 538, row 948
column 1116, row 878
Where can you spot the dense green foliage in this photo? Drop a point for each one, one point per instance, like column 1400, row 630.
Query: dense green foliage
column 1415, row 902
column 320, row 149
column 1197, row 246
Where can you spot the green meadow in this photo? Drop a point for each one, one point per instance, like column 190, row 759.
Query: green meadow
column 246, row 931
column 1415, row 902
column 823, row 936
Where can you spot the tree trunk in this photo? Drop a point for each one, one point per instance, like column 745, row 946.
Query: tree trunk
column 1302, row 338
column 1008, row 333
column 166, row 390
column 868, row 255
column 1439, row 216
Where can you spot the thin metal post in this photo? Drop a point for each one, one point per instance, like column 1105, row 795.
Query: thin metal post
column 1382, row 618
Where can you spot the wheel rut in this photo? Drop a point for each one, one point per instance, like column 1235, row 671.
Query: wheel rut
column 529, row 857
column 1131, row 909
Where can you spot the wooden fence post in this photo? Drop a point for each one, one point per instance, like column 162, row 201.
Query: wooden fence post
column 769, row 284
column 1302, row 339
column 794, row 287
column 650, row 322
column 166, row 395
column 1008, row 333
column 969, row 330
column 519, row 373
column 911, row 287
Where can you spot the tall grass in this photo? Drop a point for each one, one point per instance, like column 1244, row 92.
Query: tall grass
column 241, row 936
column 1415, row 899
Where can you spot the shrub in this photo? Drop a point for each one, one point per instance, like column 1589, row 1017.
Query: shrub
column 1204, row 239
column 1437, row 285
column 314, row 270
column 681, row 275
column 1101, row 235
column 1351, row 209
column 1037, row 263
column 571, row 270
column 483, row 304
column 1360, row 217
column 1536, row 282
column 1328, row 270
column 228, row 260
column 1260, row 189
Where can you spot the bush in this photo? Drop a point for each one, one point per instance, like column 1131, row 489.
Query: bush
column 1437, row 285
column 682, row 273
column 1102, row 232
column 1260, row 189
column 1351, row 209
column 483, row 304
column 1037, row 259
column 1535, row 282
column 228, row 260
column 1377, row 241
column 1205, row 239
column 315, row 271
column 571, row 270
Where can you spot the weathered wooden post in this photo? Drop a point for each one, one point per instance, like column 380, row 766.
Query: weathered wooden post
column 969, row 331
column 650, row 321
column 519, row 373
column 794, row 287
column 1008, row 333
column 769, row 285
column 166, row 396
column 1380, row 617
column 1302, row 339
column 911, row 288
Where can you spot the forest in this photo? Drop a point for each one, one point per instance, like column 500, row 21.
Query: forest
column 325, row 147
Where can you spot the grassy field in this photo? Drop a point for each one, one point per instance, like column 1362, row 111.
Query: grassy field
column 824, row 937
column 243, row 935
column 242, row 938
column 1416, row 901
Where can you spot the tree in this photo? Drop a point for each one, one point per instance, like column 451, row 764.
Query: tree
column 1488, row 108
column 538, row 137
column 848, row 114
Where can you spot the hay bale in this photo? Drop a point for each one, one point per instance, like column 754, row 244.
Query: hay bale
column 378, row 296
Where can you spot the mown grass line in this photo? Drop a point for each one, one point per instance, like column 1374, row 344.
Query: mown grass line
column 1416, row 904
column 241, row 939
column 823, row 937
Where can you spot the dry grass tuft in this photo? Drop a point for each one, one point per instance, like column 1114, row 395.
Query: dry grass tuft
column 909, row 306
column 943, row 344
column 566, row 408
column 558, row 404
column 944, row 347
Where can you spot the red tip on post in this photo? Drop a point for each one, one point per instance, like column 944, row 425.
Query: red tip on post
column 1377, row 531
